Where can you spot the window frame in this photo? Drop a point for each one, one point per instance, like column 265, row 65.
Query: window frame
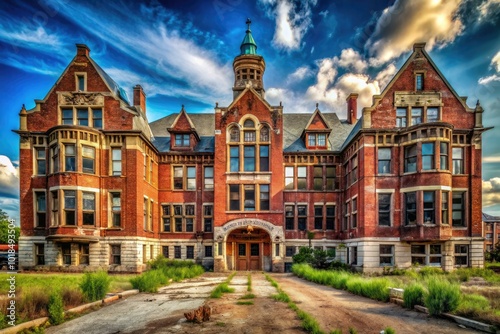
column 410, row 158
column 187, row 179
column 384, row 255
column 382, row 212
column 89, row 212
column 70, row 210
column 116, row 161
column 86, row 157
column 115, row 254
column 428, row 157
column 463, row 219
column 458, row 161
column 384, row 162
column 208, row 177
column 443, row 155
column 115, row 210
column 208, row 218
column 40, row 210
column 182, row 140
column 40, row 162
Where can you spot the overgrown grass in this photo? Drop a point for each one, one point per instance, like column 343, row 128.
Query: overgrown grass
column 472, row 305
column 223, row 287
column 94, row 286
column 442, row 296
column 163, row 271
column 413, row 295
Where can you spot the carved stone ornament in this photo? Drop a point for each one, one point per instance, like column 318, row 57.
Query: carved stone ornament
column 79, row 99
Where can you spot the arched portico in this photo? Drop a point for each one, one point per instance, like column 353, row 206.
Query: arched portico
column 248, row 244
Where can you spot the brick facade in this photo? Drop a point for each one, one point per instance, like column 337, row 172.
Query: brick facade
column 244, row 187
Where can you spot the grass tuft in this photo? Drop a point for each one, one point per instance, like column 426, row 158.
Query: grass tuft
column 244, row 302
column 95, row 285
column 413, row 295
column 248, row 296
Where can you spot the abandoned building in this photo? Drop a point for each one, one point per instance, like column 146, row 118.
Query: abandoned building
column 243, row 187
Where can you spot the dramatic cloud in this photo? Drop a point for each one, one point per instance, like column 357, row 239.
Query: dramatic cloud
column 489, row 8
column 299, row 74
column 9, row 178
column 491, row 192
column 495, row 64
column 407, row 22
column 351, row 59
column 293, row 20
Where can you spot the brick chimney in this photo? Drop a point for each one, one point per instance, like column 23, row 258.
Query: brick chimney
column 139, row 98
column 82, row 50
column 352, row 108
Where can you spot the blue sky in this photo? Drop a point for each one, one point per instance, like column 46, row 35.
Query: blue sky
column 181, row 52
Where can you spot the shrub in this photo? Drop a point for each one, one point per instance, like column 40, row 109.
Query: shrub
column 56, row 309
column 305, row 255
column 389, row 330
column 442, row 296
column 149, row 281
column 33, row 303
column 95, row 285
column 71, row 297
column 413, row 295
column 472, row 305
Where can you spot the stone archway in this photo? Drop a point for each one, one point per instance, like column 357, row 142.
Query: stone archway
column 248, row 244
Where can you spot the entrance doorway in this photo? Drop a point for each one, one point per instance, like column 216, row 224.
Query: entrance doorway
column 248, row 248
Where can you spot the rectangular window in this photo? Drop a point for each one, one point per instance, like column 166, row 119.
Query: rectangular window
column 444, row 207
column 435, row 255
column 354, row 171
column 289, row 251
column 458, row 209
column 66, row 254
column 209, row 178
column 321, row 139
column 70, row 207
column 418, row 255
column 410, row 159
column 182, row 140
column 289, row 177
column 264, row 158
column 234, row 158
column 41, row 209
column 116, row 209
column 318, row 178
column 178, row 177
column 165, row 252
column 97, row 118
column 88, row 159
column 69, row 158
column 88, row 208
column 84, row 254
column 432, row 114
column 249, row 193
column 67, row 116
column 178, row 218
column 302, row 217
column 346, row 216
column 209, row 252
column 330, row 217
column 150, row 212
column 249, row 158
column 312, row 139
column 401, row 117
column 208, row 216
column 234, row 197
column 144, row 253
column 429, row 211
column 458, row 160
column 189, row 217
column 39, row 254
column 318, row 217
column 410, row 208
column 386, row 255
column 166, row 218
column 264, row 197
column 249, row 136
column 254, row 249
column 191, row 178
column 354, row 216
column 54, row 153
column 116, row 254
column 289, row 217
column 145, row 214
column 443, row 156
column 384, row 160
column 80, row 81
column 427, row 156
column 41, row 162
column 189, row 252
column 419, row 81
column 416, row 115
column 461, row 255
column 354, row 255
column 82, row 117
column 330, row 178
column 55, row 208
column 384, row 209
column 116, row 161
column 302, row 178
column 177, row 252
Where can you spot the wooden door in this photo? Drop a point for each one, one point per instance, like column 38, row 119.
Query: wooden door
column 249, row 256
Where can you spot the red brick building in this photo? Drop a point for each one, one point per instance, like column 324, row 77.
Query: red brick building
column 243, row 187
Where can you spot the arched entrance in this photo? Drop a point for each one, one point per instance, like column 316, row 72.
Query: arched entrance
column 249, row 248
column 248, row 244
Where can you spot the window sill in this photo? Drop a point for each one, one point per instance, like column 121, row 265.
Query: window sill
column 460, row 227
column 114, row 228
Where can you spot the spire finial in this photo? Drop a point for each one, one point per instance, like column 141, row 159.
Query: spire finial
column 317, row 104
column 248, row 22
column 248, row 46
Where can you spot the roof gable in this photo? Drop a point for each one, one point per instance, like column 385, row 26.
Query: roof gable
column 182, row 123
column 317, row 122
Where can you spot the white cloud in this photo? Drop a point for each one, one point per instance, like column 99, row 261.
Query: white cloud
column 495, row 61
column 407, row 22
column 385, row 76
column 488, row 8
column 324, row 13
column 293, row 20
column 491, row 192
column 299, row 74
column 491, row 159
column 351, row 59
column 488, row 79
column 9, row 178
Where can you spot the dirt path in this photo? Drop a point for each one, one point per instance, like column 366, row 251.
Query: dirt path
column 336, row 309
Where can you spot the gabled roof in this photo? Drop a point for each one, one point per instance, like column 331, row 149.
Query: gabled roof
column 249, row 88
column 204, row 124
column 317, row 114
column 182, row 116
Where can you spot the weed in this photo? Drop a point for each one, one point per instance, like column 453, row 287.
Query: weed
column 220, row 324
column 33, row 303
column 56, row 309
column 249, row 284
column 442, row 296
column 352, row 331
column 71, row 297
column 281, row 297
column 248, row 296
column 149, row 281
column 244, row 302
column 220, row 289
column 389, row 330
column 95, row 285
column 472, row 305
column 413, row 295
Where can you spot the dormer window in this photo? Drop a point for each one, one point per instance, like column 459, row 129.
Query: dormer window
column 316, row 139
column 182, row 140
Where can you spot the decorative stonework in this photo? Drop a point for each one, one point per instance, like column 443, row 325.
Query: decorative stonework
column 403, row 99
column 275, row 232
column 79, row 99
